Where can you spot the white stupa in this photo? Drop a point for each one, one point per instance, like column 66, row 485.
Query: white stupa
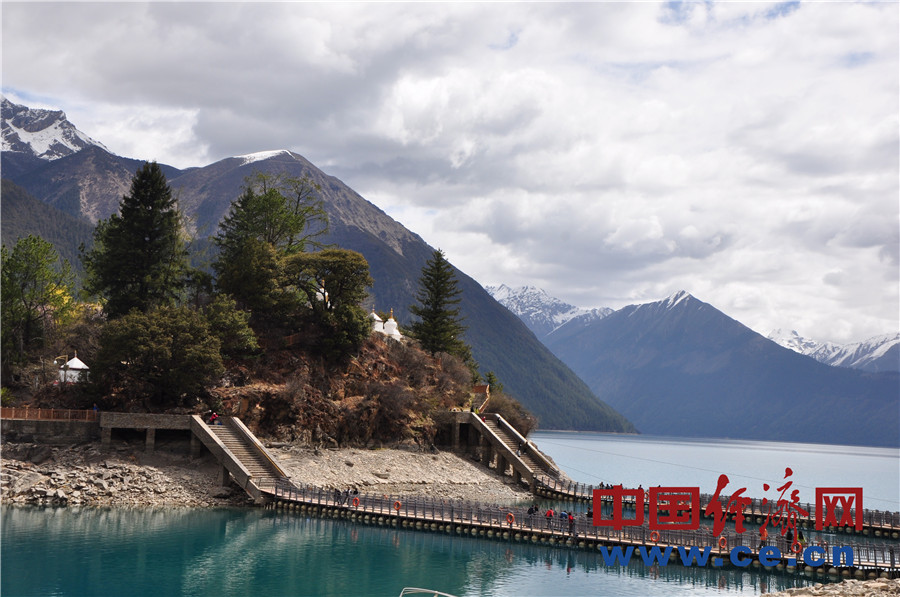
column 73, row 371
column 322, row 295
column 377, row 322
column 389, row 328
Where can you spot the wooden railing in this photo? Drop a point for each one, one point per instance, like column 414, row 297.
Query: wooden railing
column 756, row 506
column 516, row 518
column 47, row 414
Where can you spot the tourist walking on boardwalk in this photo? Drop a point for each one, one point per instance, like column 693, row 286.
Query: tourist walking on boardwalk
column 549, row 517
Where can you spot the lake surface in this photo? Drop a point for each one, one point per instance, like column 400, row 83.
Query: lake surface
column 153, row 552
column 159, row 551
column 648, row 461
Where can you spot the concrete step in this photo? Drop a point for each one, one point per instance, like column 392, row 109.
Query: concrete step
column 250, row 459
column 512, row 443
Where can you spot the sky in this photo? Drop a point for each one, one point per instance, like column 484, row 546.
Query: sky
column 611, row 153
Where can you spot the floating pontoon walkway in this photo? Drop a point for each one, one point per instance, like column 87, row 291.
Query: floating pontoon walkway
column 876, row 523
column 515, row 524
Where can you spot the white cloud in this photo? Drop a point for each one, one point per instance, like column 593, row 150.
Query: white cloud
column 612, row 152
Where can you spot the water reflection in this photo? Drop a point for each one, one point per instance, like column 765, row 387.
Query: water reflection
column 266, row 552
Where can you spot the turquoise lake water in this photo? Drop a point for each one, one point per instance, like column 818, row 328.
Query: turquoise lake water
column 166, row 551
column 648, row 461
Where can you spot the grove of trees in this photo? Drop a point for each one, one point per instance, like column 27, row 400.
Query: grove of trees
column 167, row 329
column 37, row 298
column 159, row 333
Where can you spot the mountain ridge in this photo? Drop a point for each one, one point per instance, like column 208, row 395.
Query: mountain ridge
column 681, row 367
column 878, row 353
column 46, row 133
column 89, row 184
column 541, row 312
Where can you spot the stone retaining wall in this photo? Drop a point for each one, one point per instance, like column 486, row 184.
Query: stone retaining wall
column 144, row 421
column 56, row 433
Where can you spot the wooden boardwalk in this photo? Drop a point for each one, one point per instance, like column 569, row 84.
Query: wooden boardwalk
column 515, row 524
column 876, row 523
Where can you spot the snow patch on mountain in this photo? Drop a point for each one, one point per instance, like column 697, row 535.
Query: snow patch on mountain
column 667, row 304
column 676, row 298
column 539, row 311
column 794, row 341
column 259, row 156
column 879, row 353
column 46, row 134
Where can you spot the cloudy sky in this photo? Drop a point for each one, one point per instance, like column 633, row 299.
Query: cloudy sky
column 611, row 153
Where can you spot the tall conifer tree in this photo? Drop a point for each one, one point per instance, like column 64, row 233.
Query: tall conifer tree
column 438, row 328
column 275, row 216
column 139, row 259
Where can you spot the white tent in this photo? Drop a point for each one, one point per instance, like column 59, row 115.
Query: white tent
column 73, row 371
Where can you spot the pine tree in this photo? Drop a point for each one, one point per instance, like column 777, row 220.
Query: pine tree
column 139, row 259
column 275, row 216
column 439, row 328
column 164, row 357
column 491, row 380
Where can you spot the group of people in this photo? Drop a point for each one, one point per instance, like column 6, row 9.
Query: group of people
column 343, row 497
column 562, row 516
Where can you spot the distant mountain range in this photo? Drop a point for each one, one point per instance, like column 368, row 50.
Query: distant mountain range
column 87, row 183
column 681, row 367
column 541, row 312
column 32, row 135
column 545, row 314
column 880, row 353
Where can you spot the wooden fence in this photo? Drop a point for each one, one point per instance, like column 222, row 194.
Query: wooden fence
column 47, row 414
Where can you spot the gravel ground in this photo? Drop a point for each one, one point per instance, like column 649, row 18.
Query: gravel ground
column 397, row 471
column 86, row 475
column 848, row 588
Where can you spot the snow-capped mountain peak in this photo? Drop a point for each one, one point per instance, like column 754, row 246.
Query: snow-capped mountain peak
column 676, row 298
column 46, row 134
column 682, row 297
column 259, row 156
column 794, row 341
column 541, row 312
column 879, row 353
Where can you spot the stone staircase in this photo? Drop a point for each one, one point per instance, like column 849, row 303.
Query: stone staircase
column 512, row 443
column 502, row 442
column 261, row 469
column 243, row 458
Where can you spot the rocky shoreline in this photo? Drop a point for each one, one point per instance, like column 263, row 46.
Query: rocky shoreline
column 847, row 588
column 123, row 476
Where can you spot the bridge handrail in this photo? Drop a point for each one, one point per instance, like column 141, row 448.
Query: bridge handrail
column 242, row 476
column 527, row 445
column 431, row 509
column 873, row 518
column 46, row 414
column 239, row 426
